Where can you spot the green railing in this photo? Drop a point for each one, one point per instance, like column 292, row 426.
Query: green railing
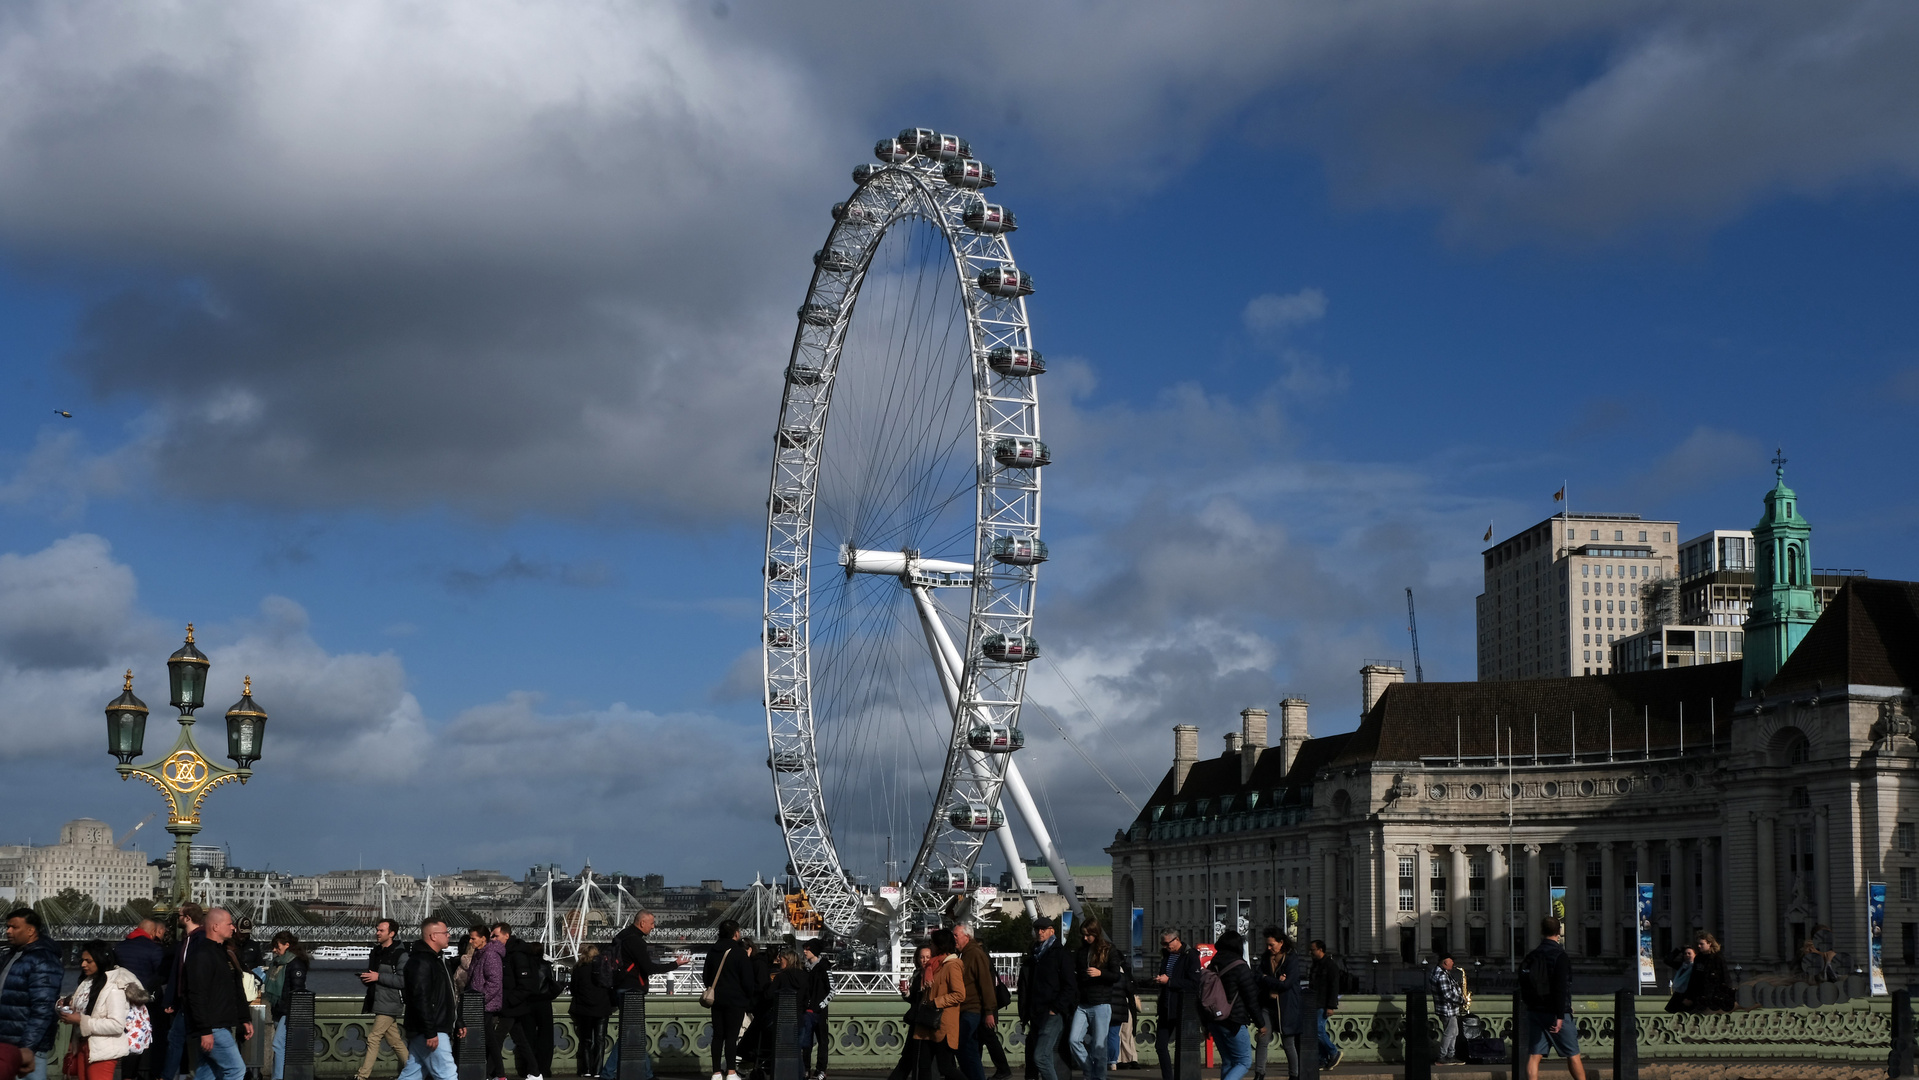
column 868, row 1033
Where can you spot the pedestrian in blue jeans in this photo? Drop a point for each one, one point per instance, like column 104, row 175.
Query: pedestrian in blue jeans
column 1323, row 990
column 1048, row 994
column 215, row 1004
column 1233, row 1033
column 432, row 1015
column 286, row 973
column 1098, row 974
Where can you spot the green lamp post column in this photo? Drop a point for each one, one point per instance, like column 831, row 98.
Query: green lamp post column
column 184, row 775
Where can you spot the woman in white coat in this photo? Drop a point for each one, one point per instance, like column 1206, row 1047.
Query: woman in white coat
column 98, row 1010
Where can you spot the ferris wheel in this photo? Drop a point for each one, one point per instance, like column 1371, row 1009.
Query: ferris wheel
column 902, row 542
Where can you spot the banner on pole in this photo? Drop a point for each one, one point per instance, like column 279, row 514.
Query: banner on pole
column 1647, row 975
column 1139, row 937
column 1292, row 917
column 1559, row 908
column 1876, row 928
column 1219, row 920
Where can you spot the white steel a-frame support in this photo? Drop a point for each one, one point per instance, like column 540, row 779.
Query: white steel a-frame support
column 946, row 658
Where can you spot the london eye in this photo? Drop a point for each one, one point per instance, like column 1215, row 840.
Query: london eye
column 903, row 544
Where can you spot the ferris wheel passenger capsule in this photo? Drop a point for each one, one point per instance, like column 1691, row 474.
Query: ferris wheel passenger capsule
column 892, row 152
column 779, row 637
column 1007, row 282
column 781, row 571
column 863, row 174
column 781, row 505
column 835, row 261
column 1019, row 550
column 783, row 699
column 858, row 213
column 976, row 817
column 955, row 881
column 1016, row 362
column 969, row 173
column 920, row 140
column 995, row 738
column 948, row 148
column 1009, row 648
column 987, row 218
column 1015, row 453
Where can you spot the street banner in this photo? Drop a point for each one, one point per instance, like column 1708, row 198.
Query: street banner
column 1065, row 923
column 1246, row 921
column 1219, row 920
column 1647, row 975
column 1139, row 937
column 1292, row 918
column 1876, row 928
column 1559, row 909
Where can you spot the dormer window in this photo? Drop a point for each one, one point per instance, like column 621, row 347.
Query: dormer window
column 1155, row 812
column 1179, row 810
column 1252, row 800
column 1204, row 805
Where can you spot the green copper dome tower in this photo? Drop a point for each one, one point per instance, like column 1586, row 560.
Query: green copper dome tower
column 1783, row 603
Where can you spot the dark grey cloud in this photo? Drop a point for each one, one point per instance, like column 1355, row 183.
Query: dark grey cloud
column 516, row 567
column 517, row 259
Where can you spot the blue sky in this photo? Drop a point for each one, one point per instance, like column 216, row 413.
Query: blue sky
column 441, row 401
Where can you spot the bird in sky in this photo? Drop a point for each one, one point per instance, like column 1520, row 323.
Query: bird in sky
column 63, row 412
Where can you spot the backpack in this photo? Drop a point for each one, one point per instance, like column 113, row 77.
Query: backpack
column 139, row 1029
column 1536, row 981
column 1214, row 1005
column 531, row 978
column 1002, row 997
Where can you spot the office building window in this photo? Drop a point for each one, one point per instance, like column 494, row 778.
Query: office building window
column 1902, row 836
column 1908, row 883
column 1476, row 884
column 1642, row 536
column 1909, row 943
column 1436, row 885
column 1618, row 535
column 1595, row 534
column 1406, row 884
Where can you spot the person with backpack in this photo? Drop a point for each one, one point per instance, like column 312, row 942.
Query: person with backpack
column 528, row 986
column 99, row 1010
column 384, row 979
column 1232, row 1032
column 1048, row 994
column 628, row 965
column 1546, row 988
column 1327, row 981
column 1449, row 1000
column 1178, row 982
column 589, row 1006
column 730, row 993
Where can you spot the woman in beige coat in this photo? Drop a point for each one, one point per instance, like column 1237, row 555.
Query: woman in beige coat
column 946, row 989
column 98, row 1010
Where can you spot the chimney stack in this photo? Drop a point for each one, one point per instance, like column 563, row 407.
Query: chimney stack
column 1185, row 753
column 1374, row 679
column 1252, row 740
column 1292, row 731
column 1232, row 744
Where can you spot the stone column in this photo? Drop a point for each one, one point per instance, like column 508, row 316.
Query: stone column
column 1458, row 904
column 1325, row 907
column 1423, row 900
column 1709, row 886
column 1608, row 901
column 1536, row 894
column 1821, row 870
column 1682, row 897
column 1768, row 888
column 1576, row 910
column 1498, row 906
column 1386, row 927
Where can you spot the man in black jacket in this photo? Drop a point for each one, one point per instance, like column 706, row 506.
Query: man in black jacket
column 215, row 1004
column 143, row 953
column 384, row 978
column 1178, row 982
column 432, row 1007
column 1048, row 994
column 188, row 937
column 1546, row 985
column 814, row 1040
column 1324, row 984
column 633, row 964
column 529, row 1012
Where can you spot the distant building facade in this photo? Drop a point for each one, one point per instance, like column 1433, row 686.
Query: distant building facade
column 1758, row 798
column 1558, row 594
column 86, row 858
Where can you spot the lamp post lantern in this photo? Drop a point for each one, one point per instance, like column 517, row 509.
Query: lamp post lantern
column 184, row 774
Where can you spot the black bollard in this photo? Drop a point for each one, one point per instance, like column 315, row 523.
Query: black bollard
column 1900, row 1062
column 786, row 1038
column 1625, row 1035
column 1521, row 1037
column 299, row 1022
column 469, row 1059
column 1419, row 1045
column 1309, row 1055
column 634, row 1044
column 1192, row 1040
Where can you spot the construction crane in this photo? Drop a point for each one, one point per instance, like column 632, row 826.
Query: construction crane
column 1412, row 627
column 122, row 845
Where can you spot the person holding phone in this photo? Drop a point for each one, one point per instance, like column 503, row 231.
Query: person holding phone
column 98, row 1011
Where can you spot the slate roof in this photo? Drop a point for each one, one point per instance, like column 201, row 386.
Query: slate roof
column 1868, row 635
column 1412, row 721
column 1212, row 778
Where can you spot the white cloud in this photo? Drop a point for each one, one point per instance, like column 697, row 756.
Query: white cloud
column 1279, row 312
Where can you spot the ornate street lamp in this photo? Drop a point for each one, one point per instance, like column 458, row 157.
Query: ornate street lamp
column 183, row 774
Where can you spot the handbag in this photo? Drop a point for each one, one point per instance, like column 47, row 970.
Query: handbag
column 924, row 1014
column 75, row 1063
column 706, row 995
